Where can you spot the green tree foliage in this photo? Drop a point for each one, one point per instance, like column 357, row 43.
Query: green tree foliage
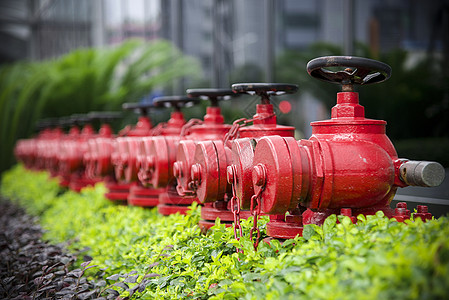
column 82, row 81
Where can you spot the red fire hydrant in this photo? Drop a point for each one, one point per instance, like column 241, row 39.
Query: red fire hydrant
column 148, row 195
column 124, row 153
column 165, row 150
column 23, row 151
column 97, row 160
column 48, row 147
column 46, row 132
column 348, row 166
column 74, row 151
column 208, row 173
column 26, row 150
column 65, row 171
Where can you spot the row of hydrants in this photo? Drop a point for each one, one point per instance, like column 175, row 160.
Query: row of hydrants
column 249, row 168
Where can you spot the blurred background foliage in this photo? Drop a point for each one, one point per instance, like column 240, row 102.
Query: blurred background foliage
column 82, row 81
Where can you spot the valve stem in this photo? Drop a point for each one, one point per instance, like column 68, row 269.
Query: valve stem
column 347, row 88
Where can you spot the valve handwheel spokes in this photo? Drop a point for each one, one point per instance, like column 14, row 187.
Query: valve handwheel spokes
column 355, row 70
column 265, row 90
column 177, row 102
column 213, row 95
column 105, row 116
column 142, row 108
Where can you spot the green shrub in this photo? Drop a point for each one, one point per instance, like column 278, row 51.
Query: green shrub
column 377, row 258
column 35, row 191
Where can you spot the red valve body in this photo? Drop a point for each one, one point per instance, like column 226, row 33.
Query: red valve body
column 143, row 194
column 29, row 151
column 211, row 129
column 24, row 151
column 65, row 170
column 50, row 151
column 97, row 159
column 211, row 159
column 165, row 150
column 349, row 162
column 126, row 155
column 156, row 153
column 124, row 158
column 74, row 163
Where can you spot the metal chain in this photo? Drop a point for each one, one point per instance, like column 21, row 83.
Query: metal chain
column 235, row 208
column 189, row 124
column 255, row 212
column 234, row 132
column 193, row 186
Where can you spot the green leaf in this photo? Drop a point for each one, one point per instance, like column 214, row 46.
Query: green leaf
column 308, row 232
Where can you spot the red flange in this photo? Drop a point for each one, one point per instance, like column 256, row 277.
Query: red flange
column 145, row 197
column 117, row 191
column 166, row 210
column 210, row 212
column 170, row 202
column 160, row 158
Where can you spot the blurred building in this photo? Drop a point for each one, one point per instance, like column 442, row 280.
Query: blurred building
column 223, row 34
column 39, row 29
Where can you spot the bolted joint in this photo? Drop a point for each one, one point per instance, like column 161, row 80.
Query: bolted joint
column 346, row 212
column 177, row 169
column 401, row 205
column 423, row 213
column 259, row 175
column 422, row 209
column 195, row 172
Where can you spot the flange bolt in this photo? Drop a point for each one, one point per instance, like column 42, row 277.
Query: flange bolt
column 196, row 172
column 177, row 169
column 230, row 174
column 346, row 212
column 259, row 175
column 422, row 208
column 150, row 162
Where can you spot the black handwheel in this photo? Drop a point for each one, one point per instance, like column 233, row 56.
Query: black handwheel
column 47, row 123
column 175, row 101
column 142, row 107
column 265, row 90
column 356, row 70
column 65, row 122
column 80, row 119
column 104, row 116
column 213, row 95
